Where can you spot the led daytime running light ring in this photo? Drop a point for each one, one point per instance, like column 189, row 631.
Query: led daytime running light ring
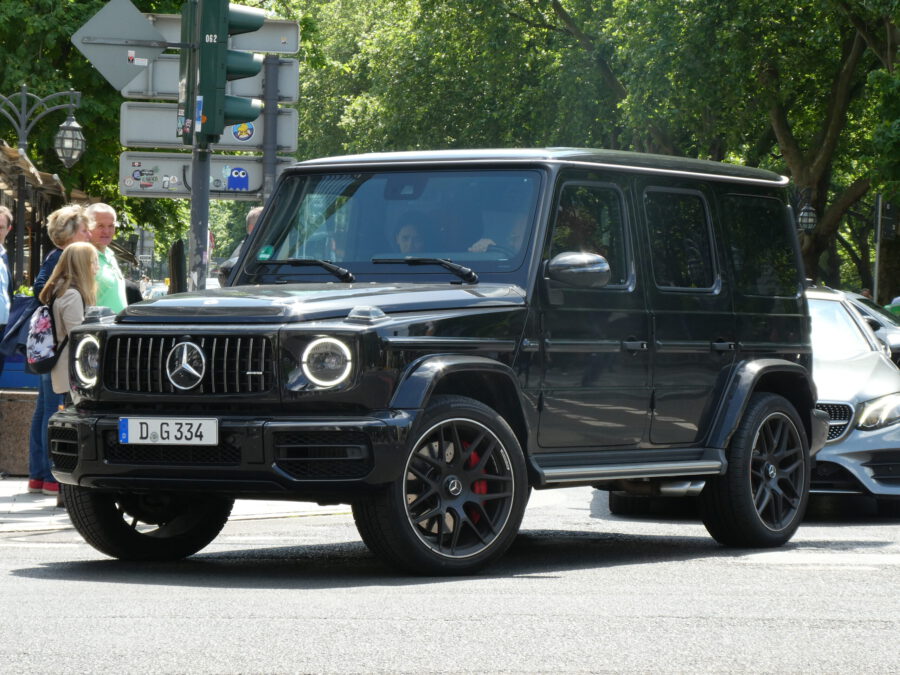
column 345, row 351
column 85, row 380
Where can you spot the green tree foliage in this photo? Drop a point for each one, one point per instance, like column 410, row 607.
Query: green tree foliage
column 805, row 88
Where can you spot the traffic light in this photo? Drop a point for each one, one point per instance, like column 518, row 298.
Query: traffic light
column 187, row 72
column 214, row 109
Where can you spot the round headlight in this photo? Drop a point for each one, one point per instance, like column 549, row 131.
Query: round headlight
column 326, row 362
column 87, row 361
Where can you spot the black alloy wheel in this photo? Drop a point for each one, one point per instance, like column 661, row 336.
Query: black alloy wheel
column 762, row 498
column 460, row 501
column 459, row 488
column 776, row 471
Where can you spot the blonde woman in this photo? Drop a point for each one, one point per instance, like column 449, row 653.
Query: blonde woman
column 64, row 226
column 72, row 288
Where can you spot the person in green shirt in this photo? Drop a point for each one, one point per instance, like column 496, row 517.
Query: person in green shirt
column 110, row 282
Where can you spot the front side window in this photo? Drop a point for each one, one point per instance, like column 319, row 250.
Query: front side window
column 590, row 218
column 481, row 218
column 680, row 242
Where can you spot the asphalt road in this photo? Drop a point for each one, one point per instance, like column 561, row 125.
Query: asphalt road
column 580, row 591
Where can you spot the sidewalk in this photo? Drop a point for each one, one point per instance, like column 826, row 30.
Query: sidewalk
column 21, row 511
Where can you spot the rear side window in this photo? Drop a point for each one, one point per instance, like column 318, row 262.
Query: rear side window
column 762, row 246
column 680, row 242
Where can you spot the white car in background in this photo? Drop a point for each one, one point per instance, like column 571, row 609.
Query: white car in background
column 859, row 387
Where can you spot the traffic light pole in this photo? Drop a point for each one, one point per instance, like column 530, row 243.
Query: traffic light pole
column 270, row 123
column 198, row 246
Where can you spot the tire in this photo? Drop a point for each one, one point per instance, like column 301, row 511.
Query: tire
column 146, row 526
column 762, row 498
column 888, row 508
column 622, row 504
column 459, row 503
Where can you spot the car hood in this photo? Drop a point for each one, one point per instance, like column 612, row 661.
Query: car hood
column 857, row 379
column 306, row 302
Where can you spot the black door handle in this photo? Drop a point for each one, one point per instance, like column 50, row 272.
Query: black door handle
column 634, row 345
column 723, row 346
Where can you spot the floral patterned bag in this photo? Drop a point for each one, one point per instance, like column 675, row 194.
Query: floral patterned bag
column 41, row 348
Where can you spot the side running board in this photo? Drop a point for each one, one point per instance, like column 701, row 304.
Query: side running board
column 707, row 466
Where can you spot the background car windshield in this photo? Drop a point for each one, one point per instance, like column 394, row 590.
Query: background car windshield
column 483, row 218
column 875, row 308
column 835, row 335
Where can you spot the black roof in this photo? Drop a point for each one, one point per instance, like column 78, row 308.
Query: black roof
column 616, row 158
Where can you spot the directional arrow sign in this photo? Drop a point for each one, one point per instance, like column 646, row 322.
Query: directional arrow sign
column 168, row 174
column 277, row 36
column 119, row 42
column 154, row 125
column 160, row 81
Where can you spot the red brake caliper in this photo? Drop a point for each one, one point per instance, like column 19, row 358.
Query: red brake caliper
column 479, row 487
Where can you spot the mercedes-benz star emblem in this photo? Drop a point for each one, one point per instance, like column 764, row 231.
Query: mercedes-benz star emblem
column 186, row 365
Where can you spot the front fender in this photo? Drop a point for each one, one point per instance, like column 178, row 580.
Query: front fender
column 422, row 376
column 778, row 376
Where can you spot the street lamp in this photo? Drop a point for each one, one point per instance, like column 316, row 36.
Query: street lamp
column 69, row 142
column 807, row 219
column 24, row 110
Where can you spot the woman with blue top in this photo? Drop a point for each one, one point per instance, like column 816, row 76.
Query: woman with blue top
column 64, row 226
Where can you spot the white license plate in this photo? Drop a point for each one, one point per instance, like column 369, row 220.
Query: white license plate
column 173, row 431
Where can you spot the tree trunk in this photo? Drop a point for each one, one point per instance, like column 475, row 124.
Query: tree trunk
column 888, row 271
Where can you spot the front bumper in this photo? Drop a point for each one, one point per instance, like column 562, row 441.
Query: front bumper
column 302, row 458
column 860, row 462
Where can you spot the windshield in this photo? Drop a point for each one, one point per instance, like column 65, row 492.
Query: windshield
column 875, row 308
column 371, row 223
column 835, row 335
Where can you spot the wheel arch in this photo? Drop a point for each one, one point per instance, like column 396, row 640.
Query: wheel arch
column 480, row 378
column 785, row 378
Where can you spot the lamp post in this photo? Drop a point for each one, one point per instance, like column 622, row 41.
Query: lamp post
column 807, row 219
column 24, row 110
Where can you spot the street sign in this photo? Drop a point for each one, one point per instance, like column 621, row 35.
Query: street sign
column 154, row 125
column 115, row 41
column 277, row 36
column 168, row 174
column 160, row 81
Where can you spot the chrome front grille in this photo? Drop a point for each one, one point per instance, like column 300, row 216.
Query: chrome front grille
column 235, row 364
column 839, row 416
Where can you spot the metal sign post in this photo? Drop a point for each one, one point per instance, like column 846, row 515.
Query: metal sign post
column 198, row 246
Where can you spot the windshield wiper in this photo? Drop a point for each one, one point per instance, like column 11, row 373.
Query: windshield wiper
column 341, row 273
column 465, row 273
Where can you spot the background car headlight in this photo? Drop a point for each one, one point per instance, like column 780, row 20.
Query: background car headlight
column 87, row 361
column 327, row 362
column 880, row 412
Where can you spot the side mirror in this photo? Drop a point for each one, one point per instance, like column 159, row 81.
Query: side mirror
column 583, row 270
column 873, row 323
column 224, row 271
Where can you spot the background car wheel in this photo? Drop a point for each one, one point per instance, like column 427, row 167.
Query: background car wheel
column 459, row 503
column 151, row 526
column 888, row 508
column 762, row 498
column 622, row 504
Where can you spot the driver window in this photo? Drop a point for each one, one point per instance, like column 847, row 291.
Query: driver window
column 590, row 218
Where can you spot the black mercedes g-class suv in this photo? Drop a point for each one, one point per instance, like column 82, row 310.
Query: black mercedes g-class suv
column 428, row 336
